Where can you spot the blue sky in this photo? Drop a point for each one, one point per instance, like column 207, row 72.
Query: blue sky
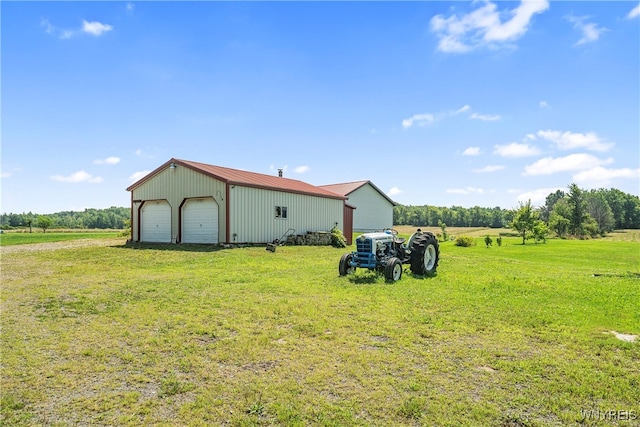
column 440, row 103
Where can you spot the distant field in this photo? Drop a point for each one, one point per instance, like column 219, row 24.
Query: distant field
column 618, row 235
column 24, row 237
column 197, row 335
column 456, row 231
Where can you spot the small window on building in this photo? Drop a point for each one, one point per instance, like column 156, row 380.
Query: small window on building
column 281, row 212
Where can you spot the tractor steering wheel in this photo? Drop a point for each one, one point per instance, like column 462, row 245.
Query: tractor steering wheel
column 393, row 231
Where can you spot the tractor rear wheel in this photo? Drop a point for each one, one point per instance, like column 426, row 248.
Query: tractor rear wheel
column 393, row 270
column 345, row 267
column 425, row 254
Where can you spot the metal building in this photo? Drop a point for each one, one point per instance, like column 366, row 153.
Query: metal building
column 374, row 209
column 190, row 202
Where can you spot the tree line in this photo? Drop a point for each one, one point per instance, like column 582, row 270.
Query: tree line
column 581, row 213
column 110, row 218
column 455, row 216
column 575, row 212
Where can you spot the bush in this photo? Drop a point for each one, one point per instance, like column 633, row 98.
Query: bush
column 337, row 238
column 445, row 234
column 465, row 241
column 488, row 241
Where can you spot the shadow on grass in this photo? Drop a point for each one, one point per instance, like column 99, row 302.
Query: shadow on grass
column 370, row 277
column 364, row 278
column 425, row 277
column 182, row 247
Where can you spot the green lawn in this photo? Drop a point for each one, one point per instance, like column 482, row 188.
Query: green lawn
column 192, row 335
column 24, row 238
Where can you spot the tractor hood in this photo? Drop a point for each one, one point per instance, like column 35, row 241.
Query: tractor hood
column 376, row 236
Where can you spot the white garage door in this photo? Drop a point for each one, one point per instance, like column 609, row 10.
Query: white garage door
column 156, row 222
column 200, row 221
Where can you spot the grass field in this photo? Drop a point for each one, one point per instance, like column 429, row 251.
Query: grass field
column 25, row 238
column 195, row 335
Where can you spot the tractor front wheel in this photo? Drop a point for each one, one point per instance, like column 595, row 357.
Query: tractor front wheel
column 425, row 254
column 393, row 270
column 345, row 267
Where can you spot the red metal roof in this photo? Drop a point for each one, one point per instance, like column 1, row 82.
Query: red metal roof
column 345, row 188
column 247, row 179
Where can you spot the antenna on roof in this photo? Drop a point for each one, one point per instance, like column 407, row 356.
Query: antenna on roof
column 280, row 173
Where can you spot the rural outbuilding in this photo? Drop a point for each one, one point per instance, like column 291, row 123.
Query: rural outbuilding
column 190, row 202
column 374, row 209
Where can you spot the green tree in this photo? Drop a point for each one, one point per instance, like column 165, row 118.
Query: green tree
column 550, row 201
column 445, row 235
column 44, row 222
column 632, row 211
column 497, row 218
column 616, row 200
column 590, row 227
column 578, row 210
column 540, row 231
column 524, row 220
column 599, row 209
column 559, row 218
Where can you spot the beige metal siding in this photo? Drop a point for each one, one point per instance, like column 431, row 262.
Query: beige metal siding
column 176, row 185
column 373, row 212
column 252, row 213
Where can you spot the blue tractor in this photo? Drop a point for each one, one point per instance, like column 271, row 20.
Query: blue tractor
column 386, row 252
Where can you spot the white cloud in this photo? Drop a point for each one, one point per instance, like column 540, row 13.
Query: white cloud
column 95, row 28
column 490, row 168
column 394, row 191
column 570, row 140
column 108, row 161
column 484, row 26
column 301, row 169
column 601, row 177
column 130, row 8
column 5, row 174
column 67, row 34
column 590, row 31
column 425, row 119
column 418, row 119
column 471, row 151
column 543, row 104
column 80, row 176
column 138, row 175
column 48, row 28
column 466, row 190
column 515, row 150
column 485, row 117
column 570, row 163
column 634, row 13
column 538, row 197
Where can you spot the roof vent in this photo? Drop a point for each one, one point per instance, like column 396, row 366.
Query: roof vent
column 280, row 173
